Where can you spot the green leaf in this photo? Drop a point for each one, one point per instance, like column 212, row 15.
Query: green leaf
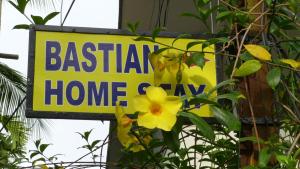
column 246, row 56
column 202, row 125
column 247, row 68
column 21, row 26
column 242, row 18
column 201, row 99
column 222, row 84
column 33, row 154
column 50, row 16
column 37, row 20
column 37, row 143
column 181, row 36
column 155, row 33
column 264, row 157
column 226, row 118
column 234, row 96
column 223, row 15
column 191, row 44
column 14, row 5
column 142, row 38
column 172, row 140
column 43, row 147
column 22, row 5
column 133, row 27
column 196, row 58
column 191, row 15
column 161, row 50
column 273, row 77
column 94, row 143
column 86, row 135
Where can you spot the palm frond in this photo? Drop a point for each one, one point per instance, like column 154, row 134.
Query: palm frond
column 16, row 129
column 43, row 3
column 12, row 91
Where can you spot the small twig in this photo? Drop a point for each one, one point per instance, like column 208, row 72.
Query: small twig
column 242, row 42
column 104, row 142
column 146, row 148
column 294, row 144
column 13, row 114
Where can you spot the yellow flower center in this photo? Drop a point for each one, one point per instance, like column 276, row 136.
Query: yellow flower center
column 155, row 109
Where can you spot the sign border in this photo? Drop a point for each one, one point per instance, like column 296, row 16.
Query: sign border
column 66, row 29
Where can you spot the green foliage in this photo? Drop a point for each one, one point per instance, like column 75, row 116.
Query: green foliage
column 273, row 77
column 248, row 68
column 216, row 144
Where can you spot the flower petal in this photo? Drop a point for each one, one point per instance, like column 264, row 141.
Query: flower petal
column 156, row 94
column 147, row 120
column 119, row 112
column 172, row 104
column 166, row 121
column 141, row 103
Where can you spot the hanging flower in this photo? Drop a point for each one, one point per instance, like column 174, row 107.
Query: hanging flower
column 157, row 109
column 163, row 64
column 123, row 132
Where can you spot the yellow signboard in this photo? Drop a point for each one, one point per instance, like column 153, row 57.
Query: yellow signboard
column 86, row 73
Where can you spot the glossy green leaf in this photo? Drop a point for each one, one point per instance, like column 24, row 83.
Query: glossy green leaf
column 181, row 36
column 248, row 68
column 38, row 20
column 155, row 33
column 202, row 125
column 273, row 77
column 191, row 44
column 201, row 99
column 226, row 118
column 223, row 15
column 234, row 96
column 37, row 143
column 22, row 5
column 33, row 154
column 197, row 58
column 191, row 15
column 133, row 27
column 50, row 16
column 264, row 157
column 94, row 143
column 21, row 26
column 43, row 147
column 142, row 38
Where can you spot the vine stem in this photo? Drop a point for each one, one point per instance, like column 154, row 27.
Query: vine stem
column 252, row 113
column 146, row 148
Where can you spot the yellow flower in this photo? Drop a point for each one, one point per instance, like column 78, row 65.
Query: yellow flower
column 163, row 64
column 157, row 109
column 123, row 131
column 291, row 62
